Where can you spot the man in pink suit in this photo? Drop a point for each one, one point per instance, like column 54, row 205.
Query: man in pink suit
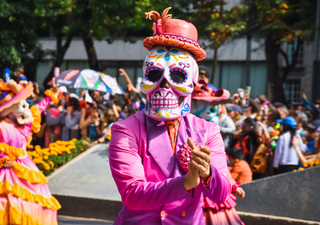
column 163, row 158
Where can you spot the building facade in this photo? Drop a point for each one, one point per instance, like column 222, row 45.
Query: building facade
column 231, row 72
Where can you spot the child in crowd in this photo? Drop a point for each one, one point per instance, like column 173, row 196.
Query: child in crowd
column 239, row 168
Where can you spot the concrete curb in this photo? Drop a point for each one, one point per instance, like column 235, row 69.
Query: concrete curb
column 262, row 219
column 88, row 207
column 76, row 159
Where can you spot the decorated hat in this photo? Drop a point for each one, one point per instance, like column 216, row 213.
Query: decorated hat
column 202, row 92
column 12, row 93
column 173, row 32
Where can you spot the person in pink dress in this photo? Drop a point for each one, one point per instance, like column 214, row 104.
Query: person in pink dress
column 163, row 158
column 25, row 197
column 207, row 101
column 225, row 213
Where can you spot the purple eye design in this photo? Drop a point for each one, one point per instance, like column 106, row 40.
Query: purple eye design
column 178, row 76
column 154, row 74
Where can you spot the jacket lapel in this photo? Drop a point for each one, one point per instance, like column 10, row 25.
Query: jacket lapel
column 187, row 130
column 159, row 145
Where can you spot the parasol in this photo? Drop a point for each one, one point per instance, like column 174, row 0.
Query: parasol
column 84, row 79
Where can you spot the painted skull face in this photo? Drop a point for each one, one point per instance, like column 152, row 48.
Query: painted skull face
column 23, row 113
column 205, row 110
column 169, row 74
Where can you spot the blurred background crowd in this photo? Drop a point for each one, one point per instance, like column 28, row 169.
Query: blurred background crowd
column 261, row 138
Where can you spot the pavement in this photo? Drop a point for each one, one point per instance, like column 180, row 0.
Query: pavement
column 86, row 176
column 85, row 187
column 66, row 220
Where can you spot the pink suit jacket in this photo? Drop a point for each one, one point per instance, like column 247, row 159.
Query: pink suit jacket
column 148, row 177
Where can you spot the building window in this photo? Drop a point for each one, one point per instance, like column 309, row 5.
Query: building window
column 291, row 48
column 292, row 90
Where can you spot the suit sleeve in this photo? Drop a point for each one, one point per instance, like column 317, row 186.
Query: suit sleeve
column 219, row 185
column 128, row 172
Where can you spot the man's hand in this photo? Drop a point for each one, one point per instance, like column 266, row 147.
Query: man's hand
column 54, row 86
column 201, row 159
column 240, row 192
column 69, row 110
column 122, row 72
column 304, row 96
column 192, row 179
column 8, row 164
column 83, row 111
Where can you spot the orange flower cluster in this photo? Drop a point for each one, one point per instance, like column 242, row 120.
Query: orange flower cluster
column 45, row 157
column 310, row 164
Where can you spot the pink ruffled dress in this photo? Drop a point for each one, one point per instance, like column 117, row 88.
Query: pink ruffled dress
column 221, row 214
column 24, row 195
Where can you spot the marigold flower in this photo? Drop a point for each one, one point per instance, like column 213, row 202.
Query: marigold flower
column 311, row 163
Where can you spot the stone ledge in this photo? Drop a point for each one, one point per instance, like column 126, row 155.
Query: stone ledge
column 261, row 219
column 88, row 207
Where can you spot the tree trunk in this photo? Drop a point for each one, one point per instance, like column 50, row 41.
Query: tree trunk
column 276, row 84
column 89, row 46
column 61, row 51
column 214, row 65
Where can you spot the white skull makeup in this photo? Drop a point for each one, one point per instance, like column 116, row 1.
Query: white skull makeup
column 23, row 113
column 169, row 74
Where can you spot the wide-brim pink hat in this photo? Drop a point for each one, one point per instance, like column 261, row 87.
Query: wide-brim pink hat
column 202, row 92
column 175, row 33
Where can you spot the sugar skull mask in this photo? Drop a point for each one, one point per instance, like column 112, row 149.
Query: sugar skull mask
column 205, row 110
column 23, row 113
column 169, row 74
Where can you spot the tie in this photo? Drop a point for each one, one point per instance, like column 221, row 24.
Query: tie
column 173, row 128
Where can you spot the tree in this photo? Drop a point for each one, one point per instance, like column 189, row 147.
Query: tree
column 282, row 21
column 216, row 24
column 18, row 38
column 103, row 20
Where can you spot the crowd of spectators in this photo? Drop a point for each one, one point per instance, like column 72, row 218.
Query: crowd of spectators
column 85, row 115
column 264, row 139
column 260, row 138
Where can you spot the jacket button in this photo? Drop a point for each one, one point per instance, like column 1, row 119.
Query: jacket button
column 183, row 213
column 162, row 214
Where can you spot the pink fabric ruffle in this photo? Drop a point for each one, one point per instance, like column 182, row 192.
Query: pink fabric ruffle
column 228, row 204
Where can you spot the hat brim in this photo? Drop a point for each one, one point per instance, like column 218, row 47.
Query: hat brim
column 218, row 100
column 281, row 121
column 150, row 42
column 21, row 95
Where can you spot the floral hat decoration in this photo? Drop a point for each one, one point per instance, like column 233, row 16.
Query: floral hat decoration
column 173, row 32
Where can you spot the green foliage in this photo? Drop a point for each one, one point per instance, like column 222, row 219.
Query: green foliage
column 286, row 20
column 17, row 30
column 217, row 24
column 226, row 26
